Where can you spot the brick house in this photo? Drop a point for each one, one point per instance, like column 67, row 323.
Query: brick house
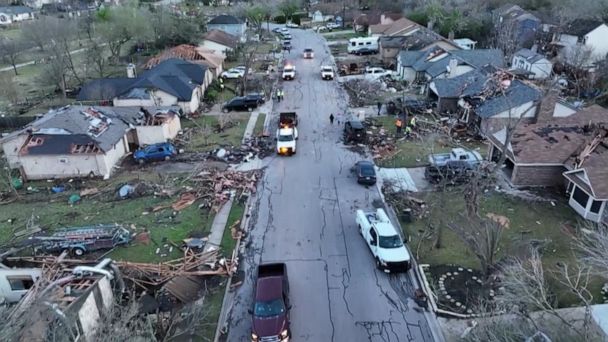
column 561, row 148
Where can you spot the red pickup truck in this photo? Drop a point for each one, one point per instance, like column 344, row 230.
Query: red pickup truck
column 271, row 306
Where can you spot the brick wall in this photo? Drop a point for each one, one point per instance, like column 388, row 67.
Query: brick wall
column 538, row 175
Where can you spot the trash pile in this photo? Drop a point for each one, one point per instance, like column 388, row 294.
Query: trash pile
column 380, row 141
column 363, row 92
column 404, row 203
column 214, row 188
column 260, row 147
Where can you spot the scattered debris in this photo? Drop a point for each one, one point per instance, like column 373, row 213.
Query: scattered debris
column 185, row 200
column 500, row 219
column 125, row 191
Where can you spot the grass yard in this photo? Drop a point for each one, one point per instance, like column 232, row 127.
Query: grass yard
column 236, row 213
column 206, row 139
column 414, row 153
column 213, row 303
column 53, row 211
column 529, row 222
column 259, row 125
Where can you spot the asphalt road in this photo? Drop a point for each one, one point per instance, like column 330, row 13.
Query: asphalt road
column 305, row 217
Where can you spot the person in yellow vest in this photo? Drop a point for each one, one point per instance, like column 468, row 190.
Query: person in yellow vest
column 412, row 122
column 221, row 83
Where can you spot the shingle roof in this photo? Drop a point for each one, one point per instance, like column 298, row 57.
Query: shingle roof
column 15, row 9
column 427, row 61
column 225, row 20
column 104, row 88
column 400, row 26
column 529, row 55
column 222, row 38
column 196, row 54
column 469, row 84
column 73, row 123
column 173, row 76
column 582, row 26
column 556, row 141
column 516, row 95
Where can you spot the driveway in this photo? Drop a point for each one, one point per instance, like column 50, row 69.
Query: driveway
column 304, row 215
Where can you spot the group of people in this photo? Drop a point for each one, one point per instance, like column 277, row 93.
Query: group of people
column 409, row 126
column 280, row 95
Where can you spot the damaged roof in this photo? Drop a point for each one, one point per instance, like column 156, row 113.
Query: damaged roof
column 434, row 60
column 553, row 142
column 173, row 76
column 222, row 38
column 469, row 84
column 401, row 26
column 225, row 19
column 516, row 95
column 416, row 40
column 187, row 52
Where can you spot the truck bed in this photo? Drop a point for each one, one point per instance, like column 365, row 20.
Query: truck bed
column 271, row 270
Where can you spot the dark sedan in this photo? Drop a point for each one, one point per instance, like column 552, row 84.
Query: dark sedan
column 257, row 97
column 365, row 172
column 241, row 104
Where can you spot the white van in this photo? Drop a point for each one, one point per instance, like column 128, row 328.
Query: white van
column 356, row 45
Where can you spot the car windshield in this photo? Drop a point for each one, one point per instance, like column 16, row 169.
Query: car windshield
column 327, row 69
column 270, row 308
column 307, row 50
column 393, row 241
column 367, row 171
column 287, row 137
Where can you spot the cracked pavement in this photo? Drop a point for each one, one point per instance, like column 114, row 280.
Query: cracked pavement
column 304, row 215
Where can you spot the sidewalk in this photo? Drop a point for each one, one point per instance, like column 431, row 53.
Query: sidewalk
column 218, row 226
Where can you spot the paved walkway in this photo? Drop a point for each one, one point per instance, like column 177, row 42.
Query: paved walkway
column 218, row 226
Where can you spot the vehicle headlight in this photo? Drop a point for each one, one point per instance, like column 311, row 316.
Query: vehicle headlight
column 254, row 337
column 382, row 262
column 284, row 333
column 283, row 149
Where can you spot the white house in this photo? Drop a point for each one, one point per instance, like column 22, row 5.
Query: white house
column 532, row 63
column 173, row 82
column 584, row 44
column 230, row 25
column 219, row 41
column 15, row 14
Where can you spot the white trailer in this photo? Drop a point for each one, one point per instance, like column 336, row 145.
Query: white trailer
column 364, row 43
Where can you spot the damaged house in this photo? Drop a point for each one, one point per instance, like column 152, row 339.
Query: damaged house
column 531, row 64
column 220, row 41
column 423, row 66
column 564, row 148
column 80, row 141
column 487, row 98
column 582, row 43
column 195, row 54
column 423, row 38
column 173, row 82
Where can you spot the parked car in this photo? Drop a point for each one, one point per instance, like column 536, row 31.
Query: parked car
column 270, row 312
column 354, row 132
column 287, row 45
column 287, row 36
column 258, row 97
column 327, row 72
column 452, row 172
column 276, row 29
column 333, row 26
column 155, row 152
column 241, row 104
column 292, row 25
column 374, row 73
column 233, row 73
column 472, row 158
column 365, row 172
column 308, row 53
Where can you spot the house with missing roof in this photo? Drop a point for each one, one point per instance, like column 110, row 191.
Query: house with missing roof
column 173, row 82
column 220, row 41
column 582, row 43
column 563, row 148
column 423, row 66
column 80, row 141
column 531, row 64
column 363, row 21
column 195, row 54
column 400, row 27
column 482, row 102
column 15, row 14
column 422, row 38
column 229, row 24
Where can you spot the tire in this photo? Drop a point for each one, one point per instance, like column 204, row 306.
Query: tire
column 359, row 229
column 78, row 251
column 250, row 109
column 167, row 158
column 225, row 110
column 378, row 266
column 141, row 161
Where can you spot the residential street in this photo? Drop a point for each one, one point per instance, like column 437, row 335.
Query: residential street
column 305, row 216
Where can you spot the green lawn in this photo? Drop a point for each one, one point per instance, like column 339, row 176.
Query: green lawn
column 236, row 213
column 213, row 302
column 53, row 211
column 538, row 221
column 204, row 137
column 259, row 125
column 414, row 153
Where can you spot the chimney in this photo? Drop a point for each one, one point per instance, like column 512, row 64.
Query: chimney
column 451, row 35
column 547, row 106
column 131, row 73
column 452, row 66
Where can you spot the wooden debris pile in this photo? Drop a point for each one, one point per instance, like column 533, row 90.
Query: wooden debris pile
column 405, row 202
column 215, row 187
column 380, row 141
column 363, row 92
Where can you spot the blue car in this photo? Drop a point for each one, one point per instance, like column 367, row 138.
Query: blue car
column 162, row 151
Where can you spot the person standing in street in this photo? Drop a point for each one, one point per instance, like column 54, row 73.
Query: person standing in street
column 379, row 104
column 282, row 95
column 278, row 95
column 331, row 118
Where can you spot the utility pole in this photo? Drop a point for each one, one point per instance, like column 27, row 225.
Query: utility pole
column 343, row 14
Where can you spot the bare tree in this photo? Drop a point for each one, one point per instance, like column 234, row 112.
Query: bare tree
column 97, row 59
column 592, row 243
column 124, row 322
column 37, row 31
column 577, row 60
column 504, row 37
column 482, row 236
column 119, row 25
column 8, row 89
column 10, row 50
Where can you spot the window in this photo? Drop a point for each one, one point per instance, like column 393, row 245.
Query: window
column 368, row 43
column 596, row 206
column 374, row 236
column 353, row 44
column 580, row 197
column 21, row 282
